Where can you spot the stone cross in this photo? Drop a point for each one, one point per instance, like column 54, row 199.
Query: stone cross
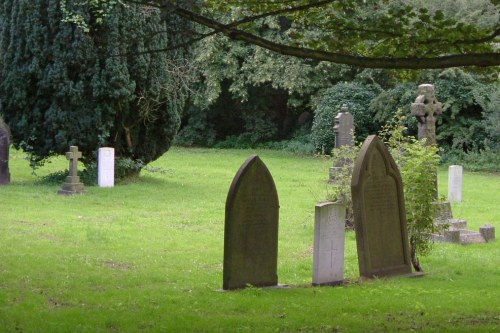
column 72, row 184
column 73, row 155
column 426, row 108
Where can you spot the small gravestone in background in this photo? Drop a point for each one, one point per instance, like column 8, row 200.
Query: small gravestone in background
column 4, row 153
column 329, row 244
column 251, row 228
column 72, row 184
column 344, row 135
column 106, row 167
column 455, row 183
column 426, row 109
column 379, row 212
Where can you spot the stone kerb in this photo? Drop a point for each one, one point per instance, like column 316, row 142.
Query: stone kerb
column 379, row 212
column 251, row 228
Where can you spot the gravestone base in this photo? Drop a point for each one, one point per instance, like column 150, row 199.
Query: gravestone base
column 456, row 232
column 329, row 284
column 72, row 186
column 278, row 286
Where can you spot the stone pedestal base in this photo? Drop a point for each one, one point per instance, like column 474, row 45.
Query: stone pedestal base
column 72, row 186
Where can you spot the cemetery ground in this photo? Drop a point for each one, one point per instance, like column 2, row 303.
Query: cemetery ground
column 147, row 256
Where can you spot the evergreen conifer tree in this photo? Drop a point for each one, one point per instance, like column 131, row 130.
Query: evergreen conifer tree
column 62, row 86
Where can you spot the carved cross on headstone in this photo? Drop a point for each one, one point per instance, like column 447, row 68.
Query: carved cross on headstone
column 73, row 155
column 426, row 108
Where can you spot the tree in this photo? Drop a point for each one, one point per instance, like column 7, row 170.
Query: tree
column 60, row 87
column 370, row 33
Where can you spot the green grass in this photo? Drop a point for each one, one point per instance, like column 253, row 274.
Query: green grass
column 147, row 256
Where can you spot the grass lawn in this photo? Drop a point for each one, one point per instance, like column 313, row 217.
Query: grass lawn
column 147, row 257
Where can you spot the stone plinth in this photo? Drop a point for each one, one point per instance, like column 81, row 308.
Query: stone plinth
column 488, row 232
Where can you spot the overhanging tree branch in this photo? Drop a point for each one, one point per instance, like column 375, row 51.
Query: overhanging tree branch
column 455, row 60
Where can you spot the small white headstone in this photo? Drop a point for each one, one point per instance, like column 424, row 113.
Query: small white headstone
column 329, row 243
column 106, row 167
column 455, row 183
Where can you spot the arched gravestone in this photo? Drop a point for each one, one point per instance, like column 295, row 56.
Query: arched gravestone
column 379, row 212
column 251, row 228
column 4, row 153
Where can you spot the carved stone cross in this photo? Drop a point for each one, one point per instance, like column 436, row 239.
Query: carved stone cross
column 426, row 108
column 73, row 155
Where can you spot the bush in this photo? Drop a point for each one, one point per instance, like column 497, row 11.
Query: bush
column 358, row 98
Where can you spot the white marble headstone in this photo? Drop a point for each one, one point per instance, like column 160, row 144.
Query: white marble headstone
column 106, row 167
column 455, row 183
column 329, row 243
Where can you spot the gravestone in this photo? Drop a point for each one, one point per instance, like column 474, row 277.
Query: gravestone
column 4, row 153
column 344, row 128
column 426, row 109
column 455, row 183
column 251, row 228
column 379, row 212
column 329, row 244
column 106, row 167
column 344, row 136
column 72, row 184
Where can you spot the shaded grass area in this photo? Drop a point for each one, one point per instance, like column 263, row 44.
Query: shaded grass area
column 147, row 256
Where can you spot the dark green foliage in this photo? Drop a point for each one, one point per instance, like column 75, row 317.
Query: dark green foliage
column 358, row 98
column 61, row 86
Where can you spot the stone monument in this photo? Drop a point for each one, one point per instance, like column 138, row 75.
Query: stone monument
column 427, row 109
column 251, row 228
column 106, row 167
column 72, row 184
column 344, row 128
column 455, row 183
column 4, row 153
column 379, row 212
column 344, row 136
column 329, row 244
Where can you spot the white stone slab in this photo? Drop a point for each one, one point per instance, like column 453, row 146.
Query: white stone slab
column 455, row 183
column 329, row 243
column 106, row 167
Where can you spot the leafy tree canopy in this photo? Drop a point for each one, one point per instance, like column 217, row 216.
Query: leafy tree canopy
column 369, row 33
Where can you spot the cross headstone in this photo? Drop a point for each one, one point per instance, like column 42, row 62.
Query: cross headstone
column 379, row 212
column 455, row 183
column 72, row 184
column 344, row 128
column 106, row 167
column 4, row 153
column 251, row 228
column 329, row 244
column 426, row 108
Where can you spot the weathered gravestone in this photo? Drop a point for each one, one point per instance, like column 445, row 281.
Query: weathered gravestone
column 344, row 136
column 4, row 153
column 455, row 183
column 329, row 244
column 251, row 228
column 379, row 212
column 72, row 184
column 426, row 109
column 106, row 167
column 344, row 128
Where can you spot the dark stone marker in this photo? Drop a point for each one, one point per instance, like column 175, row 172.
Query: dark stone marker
column 344, row 128
column 379, row 212
column 4, row 153
column 72, row 184
column 427, row 109
column 251, row 228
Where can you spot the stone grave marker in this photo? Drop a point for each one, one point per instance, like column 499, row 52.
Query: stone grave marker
column 379, row 212
column 426, row 109
column 329, row 244
column 455, row 183
column 344, row 128
column 4, row 153
column 251, row 228
column 106, row 167
column 72, row 184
